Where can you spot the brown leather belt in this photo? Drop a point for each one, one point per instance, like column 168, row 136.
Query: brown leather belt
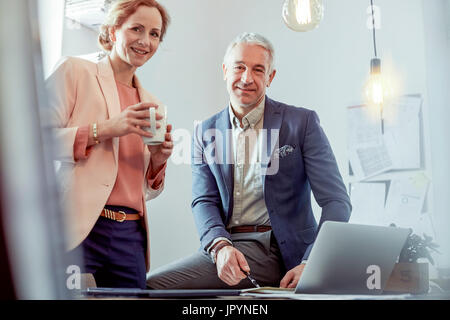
column 119, row 216
column 242, row 229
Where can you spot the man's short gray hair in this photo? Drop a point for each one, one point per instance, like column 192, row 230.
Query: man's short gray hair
column 252, row 38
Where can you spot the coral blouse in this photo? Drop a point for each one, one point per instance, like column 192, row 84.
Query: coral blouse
column 127, row 190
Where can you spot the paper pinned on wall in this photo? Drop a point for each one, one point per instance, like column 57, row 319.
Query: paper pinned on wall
column 368, row 203
column 368, row 152
column 373, row 151
column 424, row 225
column 402, row 130
column 405, row 199
column 367, row 162
column 364, row 127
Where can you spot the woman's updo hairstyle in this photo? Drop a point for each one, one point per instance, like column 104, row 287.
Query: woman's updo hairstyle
column 119, row 12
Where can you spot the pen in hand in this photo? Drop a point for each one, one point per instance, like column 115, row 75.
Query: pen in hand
column 251, row 279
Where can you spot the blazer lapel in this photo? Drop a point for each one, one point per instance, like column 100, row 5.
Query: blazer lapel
column 107, row 83
column 223, row 125
column 272, row 123
column 105, row 77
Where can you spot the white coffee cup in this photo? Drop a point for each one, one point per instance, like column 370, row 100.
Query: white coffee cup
column 159, row 134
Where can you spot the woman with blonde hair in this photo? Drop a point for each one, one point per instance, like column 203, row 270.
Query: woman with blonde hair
column 98, row 111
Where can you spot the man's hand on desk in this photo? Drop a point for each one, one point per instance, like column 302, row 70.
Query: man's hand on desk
column 291, row 278
column 230, row 263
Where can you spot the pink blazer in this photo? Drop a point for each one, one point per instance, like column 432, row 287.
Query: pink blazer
column 82, row 92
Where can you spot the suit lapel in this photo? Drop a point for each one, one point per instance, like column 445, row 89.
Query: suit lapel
column 223, row 125
column 107, row 83
column 270, row 141
column 105, row 77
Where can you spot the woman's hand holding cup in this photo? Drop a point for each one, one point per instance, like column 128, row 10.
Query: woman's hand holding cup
column 160, row 145
column 161, row 153
column 131, row 120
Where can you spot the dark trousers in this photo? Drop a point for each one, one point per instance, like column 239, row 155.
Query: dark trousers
column 197, row 271
column 114, row 252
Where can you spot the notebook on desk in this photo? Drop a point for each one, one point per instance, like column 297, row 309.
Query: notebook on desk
column 172, row 293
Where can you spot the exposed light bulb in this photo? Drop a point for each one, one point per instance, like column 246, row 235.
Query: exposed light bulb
column 303, row 12
column 377, row 89
column 302, row 15
column 374, row 90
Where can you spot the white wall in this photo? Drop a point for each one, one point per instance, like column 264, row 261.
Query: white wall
column 51, row 16
column 323, row 69
column 78, row 39
column 437, row 53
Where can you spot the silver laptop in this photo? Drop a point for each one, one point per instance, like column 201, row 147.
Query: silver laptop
column 351, row 259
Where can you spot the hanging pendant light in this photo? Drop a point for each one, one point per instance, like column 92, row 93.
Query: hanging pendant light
column 374, row 86
column 302, row 15
column 377, row 88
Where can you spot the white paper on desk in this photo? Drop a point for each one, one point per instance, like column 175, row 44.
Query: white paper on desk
column 367, row 199
column 368, row 153
column 269, row 290
column 403, row 132
column 406, row 198
column 298, row 296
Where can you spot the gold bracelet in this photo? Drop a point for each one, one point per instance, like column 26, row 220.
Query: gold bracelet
column 94, row 130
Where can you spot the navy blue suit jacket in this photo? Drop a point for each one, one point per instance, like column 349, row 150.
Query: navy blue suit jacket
column 288, row 178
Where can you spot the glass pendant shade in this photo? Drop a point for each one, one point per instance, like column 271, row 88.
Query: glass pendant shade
column 302, row 15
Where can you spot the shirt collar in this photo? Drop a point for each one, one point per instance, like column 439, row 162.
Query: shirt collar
column 251, row 119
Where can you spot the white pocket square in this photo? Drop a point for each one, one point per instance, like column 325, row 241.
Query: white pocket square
column 283, row 151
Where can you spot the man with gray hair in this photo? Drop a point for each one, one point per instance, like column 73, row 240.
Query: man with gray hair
column 254, row 165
